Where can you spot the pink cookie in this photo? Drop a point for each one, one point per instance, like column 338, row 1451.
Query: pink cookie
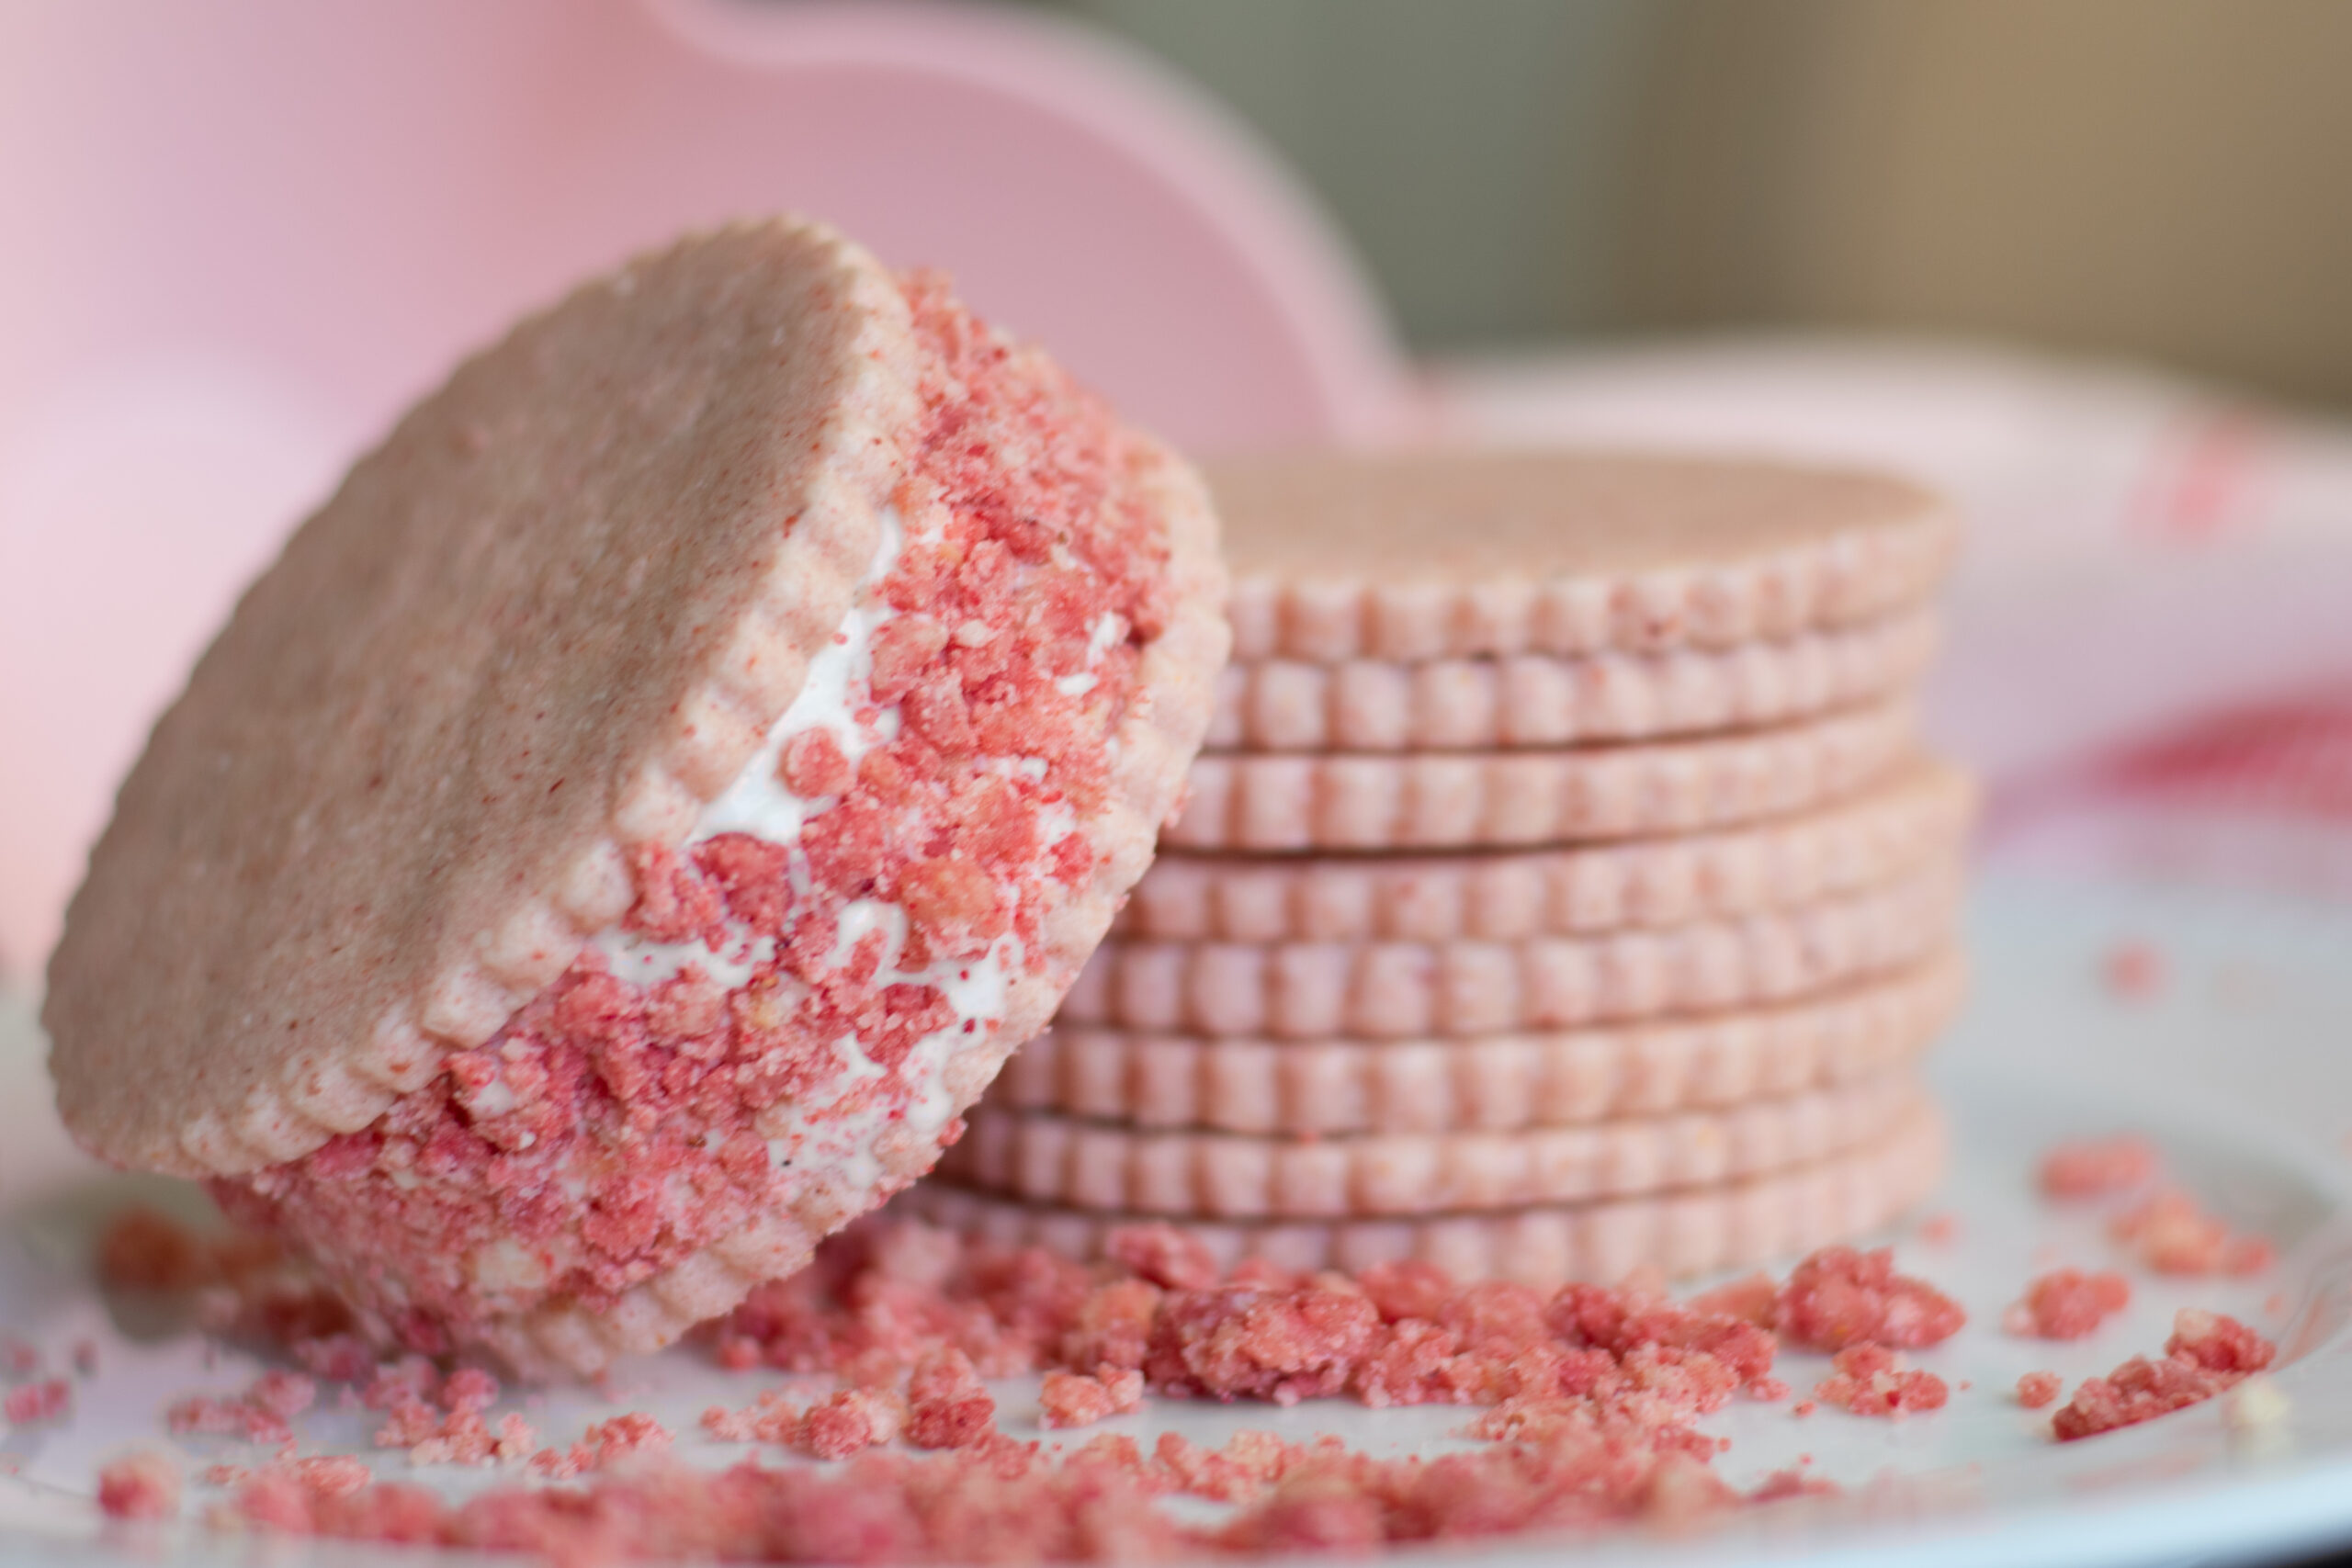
column 1433, row 800
column 643, row 807
column 1534, row 699
column 1412, row 556
column 1488, row 1083
column 1742, row 1224
column 1316, row 991
column 1922, row 811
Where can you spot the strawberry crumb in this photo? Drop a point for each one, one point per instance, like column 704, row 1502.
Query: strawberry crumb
column 2067, row 1305
column 2208, row 1354
column 2092, row 1168
column 2038, row 1389
column 2132, row 971
column 1075, row 1399
column 142, row 1485
column 946, row 1406
column 1839, row 1297
column 1870, row 1380
column 2172, row 1233
column 853, row 1419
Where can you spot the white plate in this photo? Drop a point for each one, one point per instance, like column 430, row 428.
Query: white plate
column 2238, row 1065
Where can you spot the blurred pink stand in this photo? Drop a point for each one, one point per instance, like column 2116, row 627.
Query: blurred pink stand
column 243, row 235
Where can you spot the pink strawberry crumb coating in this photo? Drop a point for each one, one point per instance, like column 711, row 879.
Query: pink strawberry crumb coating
column 786, row 1055
column 2208, row 1354
column 2067, row 1303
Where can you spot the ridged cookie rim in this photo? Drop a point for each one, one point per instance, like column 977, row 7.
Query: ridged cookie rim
column 1926, row 807
column 1527, row 700
column 1846, row 577
column 1704, row 1231
column 1497, row 1083
column 1392, row 989
column 1383, row 801
column 1044, row 1158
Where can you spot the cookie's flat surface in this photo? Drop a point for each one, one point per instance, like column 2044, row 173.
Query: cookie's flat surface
column 1423, row 556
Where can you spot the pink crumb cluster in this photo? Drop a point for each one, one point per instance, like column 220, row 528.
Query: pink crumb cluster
column 263, row 1414
column 2173, row 1233
column 1589, row 1394
column 2207, row 1355
column 2092, row 1168
column 612, row 1130
column 1870, row 1380
column 1556, row 1467
column 2132, row 971
column 2167, row 1230
column 1589, row 1397
column 885, row 1297
column 1840, row 1296
column 2067, row 1303
column 2036, row 1389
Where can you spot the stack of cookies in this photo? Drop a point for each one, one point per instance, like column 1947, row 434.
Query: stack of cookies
column 1562, row 892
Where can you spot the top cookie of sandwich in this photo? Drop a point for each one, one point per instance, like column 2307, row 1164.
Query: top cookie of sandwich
column 1438, row 555
column 465, row 723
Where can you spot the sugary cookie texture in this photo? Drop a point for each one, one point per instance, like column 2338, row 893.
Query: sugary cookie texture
column 811, row 983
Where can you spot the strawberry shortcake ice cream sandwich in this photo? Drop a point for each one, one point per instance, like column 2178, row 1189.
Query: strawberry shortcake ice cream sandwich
column 640, row 812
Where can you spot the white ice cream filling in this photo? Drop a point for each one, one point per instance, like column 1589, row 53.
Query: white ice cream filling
column 832, row 1133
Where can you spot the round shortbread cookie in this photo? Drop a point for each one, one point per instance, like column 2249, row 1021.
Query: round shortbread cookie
column 1389, row 991
column 1528, row 699
column 1924, row 809
column 1491, row 1083
column 645, row 805
column 1501, row 799
column 1045, row 1158
column 1740, row 1225
column 1445, row 555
